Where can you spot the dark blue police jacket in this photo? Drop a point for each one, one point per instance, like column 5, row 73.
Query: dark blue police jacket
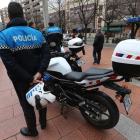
column 23, row 50
column 54, row 34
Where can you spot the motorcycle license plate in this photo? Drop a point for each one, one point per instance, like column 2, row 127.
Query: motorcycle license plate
column 80, row 62
column 127, row 103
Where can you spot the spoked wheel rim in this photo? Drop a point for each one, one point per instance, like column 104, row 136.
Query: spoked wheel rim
column 100, row 118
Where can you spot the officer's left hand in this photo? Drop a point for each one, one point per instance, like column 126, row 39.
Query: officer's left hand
column 37, row 78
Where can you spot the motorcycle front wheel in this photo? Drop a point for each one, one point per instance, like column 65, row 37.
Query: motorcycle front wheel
column 108, row 117
column 74, row 66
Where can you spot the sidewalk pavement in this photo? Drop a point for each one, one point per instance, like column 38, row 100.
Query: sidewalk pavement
column 75, row 126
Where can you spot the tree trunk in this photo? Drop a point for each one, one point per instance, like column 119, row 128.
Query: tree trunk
column 107, row 36
column 85, row 34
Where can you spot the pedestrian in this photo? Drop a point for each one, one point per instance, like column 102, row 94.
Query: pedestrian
column 32, row 24
column 54, row 37
column 73, row 35
column 26, row 56
column 80, row 35
column 98, row 46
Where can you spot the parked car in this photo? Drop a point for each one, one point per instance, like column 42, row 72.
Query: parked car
column 67, row 37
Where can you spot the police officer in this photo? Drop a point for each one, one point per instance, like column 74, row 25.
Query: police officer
column 26, row 56
column 32, row 24
column 54, row 37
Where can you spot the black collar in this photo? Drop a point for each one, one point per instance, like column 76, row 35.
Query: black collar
column 17, row 22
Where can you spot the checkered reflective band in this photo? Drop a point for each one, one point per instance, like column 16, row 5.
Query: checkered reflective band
column 20, row 47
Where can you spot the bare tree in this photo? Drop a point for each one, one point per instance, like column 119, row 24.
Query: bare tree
column 129, row 9
column 110, row 14
column 58, row 16
column 86, row 10
column 34, row 15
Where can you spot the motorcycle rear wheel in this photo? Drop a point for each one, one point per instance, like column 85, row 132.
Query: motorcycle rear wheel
column 74, row 66
column 109, row 111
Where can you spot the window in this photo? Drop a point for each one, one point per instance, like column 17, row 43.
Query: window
column 134, row 5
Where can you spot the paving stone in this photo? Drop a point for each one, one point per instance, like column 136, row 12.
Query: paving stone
column 13, row 92
column 50, row 133
column 12, row 138
column 5, row 94
column 136, row 115
column 5, row 82
column 119, row 137
column 8, row 86
column 11, row 127
column 17, row 110
column 74, row 120
column 92, row 133
column 128, row 128
column 6, row 113
column 8, row 101
column 53, row 110
column 76, row 135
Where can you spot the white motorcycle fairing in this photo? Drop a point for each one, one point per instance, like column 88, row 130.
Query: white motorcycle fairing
column 59, row 64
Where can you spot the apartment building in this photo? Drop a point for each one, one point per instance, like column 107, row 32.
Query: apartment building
column 4, row 14
column 33, row 10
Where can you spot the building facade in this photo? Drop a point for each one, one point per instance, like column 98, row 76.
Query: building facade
column 33, row 10
column 4, row 16
column 118, row 26
column 67, row 15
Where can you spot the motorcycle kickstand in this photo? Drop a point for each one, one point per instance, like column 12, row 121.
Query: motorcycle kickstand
column 62, row 107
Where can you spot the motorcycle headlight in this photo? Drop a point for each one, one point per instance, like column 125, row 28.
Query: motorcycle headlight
column 78, row 43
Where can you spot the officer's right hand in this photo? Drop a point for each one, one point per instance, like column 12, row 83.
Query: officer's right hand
column 37, row 78
column 35, row 81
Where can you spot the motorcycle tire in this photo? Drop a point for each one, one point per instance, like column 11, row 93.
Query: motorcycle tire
column 74, row 66
column 107, row 104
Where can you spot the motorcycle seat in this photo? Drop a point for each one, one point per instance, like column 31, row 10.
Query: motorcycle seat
column 94, row 72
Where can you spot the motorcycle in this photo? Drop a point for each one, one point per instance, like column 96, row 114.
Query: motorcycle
column 75, row 45
column 79, row 89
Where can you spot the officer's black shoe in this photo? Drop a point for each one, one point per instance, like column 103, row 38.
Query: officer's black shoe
column 26, row 132
column 30, row 130
column 42, row 117
column 98, row 62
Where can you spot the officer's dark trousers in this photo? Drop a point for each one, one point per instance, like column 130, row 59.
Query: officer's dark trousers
column 56, row 48
column 95, row 51
column 21, row 90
